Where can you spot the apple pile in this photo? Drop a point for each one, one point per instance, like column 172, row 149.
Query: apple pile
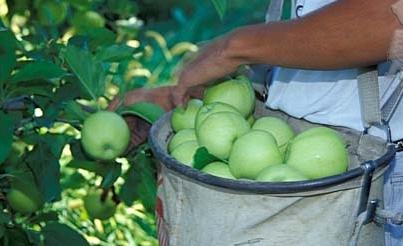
column 263, row 149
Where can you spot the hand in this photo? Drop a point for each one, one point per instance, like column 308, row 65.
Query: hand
column 210, row 63
column 161, row 96
column 139, row 128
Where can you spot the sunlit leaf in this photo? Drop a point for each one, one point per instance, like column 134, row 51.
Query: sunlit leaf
column 115, row 53
column 90, row 73
column 38, row 70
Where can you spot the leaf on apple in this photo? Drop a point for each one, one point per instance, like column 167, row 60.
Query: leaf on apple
column 150, row 112
column 202, row 157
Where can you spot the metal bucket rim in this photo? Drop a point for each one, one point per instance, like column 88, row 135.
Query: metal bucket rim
column 255, row 186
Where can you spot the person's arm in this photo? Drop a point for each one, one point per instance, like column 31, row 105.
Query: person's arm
column 345, row 34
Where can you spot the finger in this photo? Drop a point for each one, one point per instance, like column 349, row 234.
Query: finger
column 196, row 92
column 180, row 96
column 114, row 104
column 139, row 130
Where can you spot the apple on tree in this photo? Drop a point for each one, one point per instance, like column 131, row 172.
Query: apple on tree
column 99, row 207
column 280, row 173
column 180, row 137
column 253, row 152
column 105, row 135
column 183, row 118
column 318, row 152
column 237, row 92
column 219, row 169
column 280, row 130
column 185, row 152
column 23, row 197
column 219, row 131
column 208, row 109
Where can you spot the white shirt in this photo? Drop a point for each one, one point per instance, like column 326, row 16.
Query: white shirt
column 326, row 97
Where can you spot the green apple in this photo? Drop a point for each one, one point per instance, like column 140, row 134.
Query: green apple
column 280, row 173
column 212, row 108
column 236, row 92
column 318, row 152
column 105, row 135
column 97, row 207
column 185, row 152
column 219, row 131
column 318, row 130
column 281, row 131
column 253, row 152
column 24, row 197
column 181, row 136
column 183, row 118
column 219, row 169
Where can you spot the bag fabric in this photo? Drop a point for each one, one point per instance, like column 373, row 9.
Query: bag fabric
column 193, row 213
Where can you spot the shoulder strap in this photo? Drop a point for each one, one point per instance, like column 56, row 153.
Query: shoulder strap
column 368, row 92
column 274, row 11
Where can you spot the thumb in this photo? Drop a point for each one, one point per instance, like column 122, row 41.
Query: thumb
column 179, row 96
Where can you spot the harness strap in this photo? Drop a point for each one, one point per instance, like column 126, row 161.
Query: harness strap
column 368, row 91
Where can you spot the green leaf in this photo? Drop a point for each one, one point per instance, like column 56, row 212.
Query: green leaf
column 110, row 177
column 97, row 37
column 4, row 217
column 202, row 157
column 107, row 170
column 38, row 70
column 56, row 143
column 220, row 6
column 90, row 73
column 2, row 230
column 74, row 111
column 140, row 182
column 7, row 54
column 56, row 233
column 6, row 135
column 148, row 111
column 16, row 237
column 91, row 166
column 44, row 217
column 46, row 170
column 68, row 91
column 72, row 180
column 115, row 53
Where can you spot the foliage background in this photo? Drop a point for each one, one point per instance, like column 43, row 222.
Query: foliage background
column 61, row 60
